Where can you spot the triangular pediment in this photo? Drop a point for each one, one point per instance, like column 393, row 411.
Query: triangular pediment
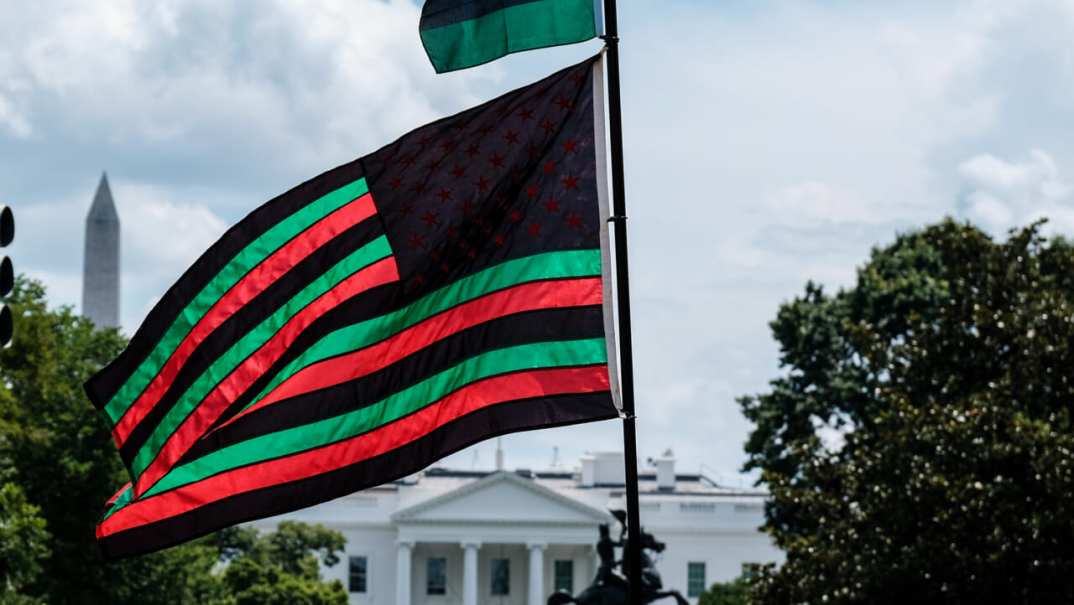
column 506, row 498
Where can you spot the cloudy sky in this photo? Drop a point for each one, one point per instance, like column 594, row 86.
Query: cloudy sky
column 768, row 143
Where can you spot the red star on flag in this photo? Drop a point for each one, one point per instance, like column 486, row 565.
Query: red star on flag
column 431, row 219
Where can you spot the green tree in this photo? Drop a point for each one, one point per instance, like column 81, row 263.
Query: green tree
column 281, row 568
column 918, row 446
column 58, row 466
column 59, row 453
column 23, row 544
column 735, row 592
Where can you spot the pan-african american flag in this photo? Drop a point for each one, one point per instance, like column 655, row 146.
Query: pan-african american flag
column 445, row 289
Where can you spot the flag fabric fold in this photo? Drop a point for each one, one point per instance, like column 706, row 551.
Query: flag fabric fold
column 458, row 34
column 445, row 289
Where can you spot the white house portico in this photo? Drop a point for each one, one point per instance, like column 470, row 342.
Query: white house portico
column 502, row 516
column 466, row 537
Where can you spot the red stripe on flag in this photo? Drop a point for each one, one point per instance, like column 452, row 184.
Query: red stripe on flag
column 253, row 367
column 473, row 397
column 252, row 284
column 518, row 299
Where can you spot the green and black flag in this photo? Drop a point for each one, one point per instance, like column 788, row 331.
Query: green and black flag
column 445, row 289
column 463, row 33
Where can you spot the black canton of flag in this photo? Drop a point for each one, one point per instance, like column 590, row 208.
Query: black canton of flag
column 513, row 177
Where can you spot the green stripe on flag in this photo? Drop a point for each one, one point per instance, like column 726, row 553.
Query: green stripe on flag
column 403, row 403
column 511, row 29
column 250, row 256
column 363, row 257
column 549, row 265
column 571, row 353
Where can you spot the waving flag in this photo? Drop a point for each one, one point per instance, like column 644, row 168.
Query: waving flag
column 442, row 290
column 463, row 33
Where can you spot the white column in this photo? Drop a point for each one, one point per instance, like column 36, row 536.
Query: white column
column 469, row 573
column 536, row 591
column 402, row 572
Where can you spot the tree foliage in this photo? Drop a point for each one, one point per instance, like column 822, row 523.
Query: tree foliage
column 56, row 449
column 735, row 592
column 281, row 568
column 23, row 543
column 58, row 466
column 918, row 446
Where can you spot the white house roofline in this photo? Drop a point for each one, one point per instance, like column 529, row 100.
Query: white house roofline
column 412, row 512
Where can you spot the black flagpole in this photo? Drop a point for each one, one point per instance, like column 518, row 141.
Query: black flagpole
column 632, row 555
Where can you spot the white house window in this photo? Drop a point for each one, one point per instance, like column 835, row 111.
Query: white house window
column 564, row 576
column 695, row 579
column 436, row 576
column 501, row 577
column 357, row 570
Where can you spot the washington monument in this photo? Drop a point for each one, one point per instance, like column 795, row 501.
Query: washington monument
column 100, row 260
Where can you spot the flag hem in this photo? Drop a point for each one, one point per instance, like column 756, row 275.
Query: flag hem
column 601, row 151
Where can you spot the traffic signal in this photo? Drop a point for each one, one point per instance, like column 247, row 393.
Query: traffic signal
column 7, row 275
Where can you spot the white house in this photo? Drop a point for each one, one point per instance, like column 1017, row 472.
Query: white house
column 513, row 537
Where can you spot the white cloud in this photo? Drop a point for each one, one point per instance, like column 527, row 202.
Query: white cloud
column 816, row 203
column 161, row 237
column 234, row 93
column 162, row 234
column 1001, row 194
column 1035, row 177
column 13, row 120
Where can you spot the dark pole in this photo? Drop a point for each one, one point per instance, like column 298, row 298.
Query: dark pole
column 622, row 279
